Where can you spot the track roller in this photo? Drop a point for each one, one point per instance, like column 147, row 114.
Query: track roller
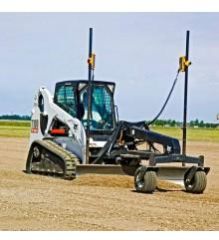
column 195, row 181
column 145, row 180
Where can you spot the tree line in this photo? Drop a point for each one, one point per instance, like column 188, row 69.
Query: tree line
column 15, row 117
column 193, row 123
column 162, row 122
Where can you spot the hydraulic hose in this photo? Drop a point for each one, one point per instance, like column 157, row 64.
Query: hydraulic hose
column 165, row 103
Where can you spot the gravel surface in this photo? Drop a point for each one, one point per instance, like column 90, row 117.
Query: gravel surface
column 94, row 202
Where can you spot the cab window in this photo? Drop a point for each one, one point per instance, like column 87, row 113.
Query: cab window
column 101, row 108
column 65, row 97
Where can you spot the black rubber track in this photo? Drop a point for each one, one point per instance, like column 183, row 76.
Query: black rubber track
column 57, row 155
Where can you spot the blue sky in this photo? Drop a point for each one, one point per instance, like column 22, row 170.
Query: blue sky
column 139, row 51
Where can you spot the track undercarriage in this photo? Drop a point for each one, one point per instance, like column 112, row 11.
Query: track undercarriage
column 48, row 158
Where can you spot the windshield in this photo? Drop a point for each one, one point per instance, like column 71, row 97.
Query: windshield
column 101, row 108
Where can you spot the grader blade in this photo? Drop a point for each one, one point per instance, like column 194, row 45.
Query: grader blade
column 175, row 173
column 171, row 173
column 99, row 169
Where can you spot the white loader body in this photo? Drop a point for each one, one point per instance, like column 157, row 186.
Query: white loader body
column 47, row 108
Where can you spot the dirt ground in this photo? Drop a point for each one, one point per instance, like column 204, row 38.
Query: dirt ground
column 30, row 202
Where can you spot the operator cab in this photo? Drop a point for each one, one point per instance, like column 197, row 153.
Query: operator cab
column 72, row 96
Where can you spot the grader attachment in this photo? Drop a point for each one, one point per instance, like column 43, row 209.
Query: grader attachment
column 122, row 154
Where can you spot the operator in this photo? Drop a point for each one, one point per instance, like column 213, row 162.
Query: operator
column 95, row 115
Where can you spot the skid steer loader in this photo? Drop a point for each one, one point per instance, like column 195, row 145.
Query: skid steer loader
column 77, row 131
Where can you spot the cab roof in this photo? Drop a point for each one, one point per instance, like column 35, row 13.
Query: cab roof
column 66, row 82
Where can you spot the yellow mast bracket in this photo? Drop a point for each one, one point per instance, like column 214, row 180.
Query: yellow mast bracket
column 91, row 61
column 183, row 64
